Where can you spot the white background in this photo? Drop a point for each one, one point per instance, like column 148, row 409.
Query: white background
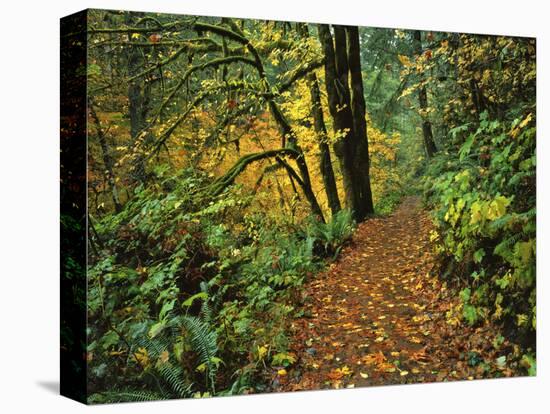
column 29, row 232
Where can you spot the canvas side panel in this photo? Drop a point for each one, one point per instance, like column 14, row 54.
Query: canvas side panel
column 73, row 206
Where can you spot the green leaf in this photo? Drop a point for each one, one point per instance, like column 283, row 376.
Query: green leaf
column 109, row 339
column 470, row 314
column 478, row 255
column 525, row 250
column 465, row 295
column 156, row 329
column 529, row 362
column 167, row 307
column 190, row 300
column 465, row 149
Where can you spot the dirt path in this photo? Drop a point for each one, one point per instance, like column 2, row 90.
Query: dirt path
column 377, row 316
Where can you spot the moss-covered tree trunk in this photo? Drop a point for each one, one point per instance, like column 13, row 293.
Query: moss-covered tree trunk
column 289, row 138
column 325, row 161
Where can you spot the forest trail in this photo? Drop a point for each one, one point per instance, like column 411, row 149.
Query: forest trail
column 377, row 316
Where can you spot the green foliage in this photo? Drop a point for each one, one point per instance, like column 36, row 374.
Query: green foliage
column 334, row 234
column 195, row 274
column 120, row 396
column 484, row 211
column 179, row 303
column 204, row 342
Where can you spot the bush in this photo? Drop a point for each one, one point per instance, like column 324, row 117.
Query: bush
column 332, row 236
column 186, row 288
column 484, row 211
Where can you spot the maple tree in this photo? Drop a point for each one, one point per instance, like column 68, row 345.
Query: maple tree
column 282, row 206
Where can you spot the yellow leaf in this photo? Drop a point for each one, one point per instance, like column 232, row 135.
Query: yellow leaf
column 142, row 357
column 527, row 119
column 403, row 373
column 405, row 61
column 345, row 370
column 281, row 372
column 164, row 356
column 262, row 351
column 364, row 375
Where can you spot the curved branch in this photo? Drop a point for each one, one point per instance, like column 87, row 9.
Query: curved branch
column 300, row 73
column 212, row 63
column 221, row 183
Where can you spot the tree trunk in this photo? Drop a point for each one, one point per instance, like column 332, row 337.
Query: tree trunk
column 429, row 143
column 138, row 100
column 358, row 108
column 292, row 143
column 106, row 155
column 351, row 147
column 325, row 162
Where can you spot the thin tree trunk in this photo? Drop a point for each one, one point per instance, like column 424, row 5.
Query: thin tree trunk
column 427, row 133
column 106, row 155
column 138, row 100
column 292, row 142
column 325, row 162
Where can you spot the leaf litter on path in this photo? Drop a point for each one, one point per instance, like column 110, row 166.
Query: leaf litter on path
column 380, row 314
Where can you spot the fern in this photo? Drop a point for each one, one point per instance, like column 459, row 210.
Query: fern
column 119, row 396
column 504, row 248
column 173, row 375
column 206, row 310
column 204, row 342
column 333, row 234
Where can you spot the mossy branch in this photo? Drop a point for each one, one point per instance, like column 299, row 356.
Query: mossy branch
column 221, row 183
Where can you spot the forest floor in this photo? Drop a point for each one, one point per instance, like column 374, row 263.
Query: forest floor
column 379, row 315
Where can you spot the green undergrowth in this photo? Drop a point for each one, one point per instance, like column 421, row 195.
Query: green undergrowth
column 483, row 202
column 191, row 295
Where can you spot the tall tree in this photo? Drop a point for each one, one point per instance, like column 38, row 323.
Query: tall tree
column 325, row 161
column 139, row 96
column 358, row 108
column 427, row 133
column 351, row 147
